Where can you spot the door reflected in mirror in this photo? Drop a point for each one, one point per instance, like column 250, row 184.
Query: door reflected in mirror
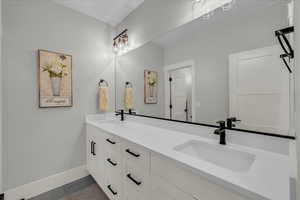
column 227, row 68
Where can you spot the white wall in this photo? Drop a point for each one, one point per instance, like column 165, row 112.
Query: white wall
column 42, row 142
column 130, row 67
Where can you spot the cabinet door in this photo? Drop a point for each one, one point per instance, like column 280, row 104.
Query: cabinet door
column 162, row 190
column 100, row 159
column 113, row 187
column 91, row 152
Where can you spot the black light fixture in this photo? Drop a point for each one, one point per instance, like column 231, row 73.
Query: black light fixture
column 208, row 11
column 121, row 42
column 286, row 46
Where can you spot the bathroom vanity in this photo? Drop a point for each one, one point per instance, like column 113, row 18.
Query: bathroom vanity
column 132, row 160
column 221, row 73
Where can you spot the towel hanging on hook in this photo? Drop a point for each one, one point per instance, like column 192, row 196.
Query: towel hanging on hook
column 103, row 95
column 129, row 102
column 128, row 84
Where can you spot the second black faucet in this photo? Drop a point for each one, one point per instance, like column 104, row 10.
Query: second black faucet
column 221, row 132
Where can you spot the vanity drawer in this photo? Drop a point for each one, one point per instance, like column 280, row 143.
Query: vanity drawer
column 112, row 144
column 113, row 187
column 190, row 182
column 136, row 183
column 136, row 155
column 113, row 163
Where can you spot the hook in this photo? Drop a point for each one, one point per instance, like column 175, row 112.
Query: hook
column 103, row 81
column 128, row 84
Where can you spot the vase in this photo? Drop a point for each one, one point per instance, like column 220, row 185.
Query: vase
column 151, row 88
column 55, row 84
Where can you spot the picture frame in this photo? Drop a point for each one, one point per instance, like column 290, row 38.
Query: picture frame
column 55, row 79
column 150, row 87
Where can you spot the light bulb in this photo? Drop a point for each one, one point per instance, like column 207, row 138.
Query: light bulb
column 208, row 14
column 228, row 6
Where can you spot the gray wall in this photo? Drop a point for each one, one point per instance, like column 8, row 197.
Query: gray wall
column 297, row 89
column 130, row 67
column 43, row 142
column 154, row 17
column 210, row 49
column 1, row 134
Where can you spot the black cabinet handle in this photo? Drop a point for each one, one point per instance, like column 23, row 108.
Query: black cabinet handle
column 111, row 190
column 111, row 162
column 133, row 154
column 133, row 180
column 93, row 149
column 111, row 142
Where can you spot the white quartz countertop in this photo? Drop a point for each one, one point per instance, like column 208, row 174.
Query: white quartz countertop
column 267, row 179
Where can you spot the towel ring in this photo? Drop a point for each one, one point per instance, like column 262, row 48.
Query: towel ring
column 103, row 81
column 128, row 85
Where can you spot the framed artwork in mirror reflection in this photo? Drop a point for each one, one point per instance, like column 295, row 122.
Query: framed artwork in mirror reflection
column 150, row 87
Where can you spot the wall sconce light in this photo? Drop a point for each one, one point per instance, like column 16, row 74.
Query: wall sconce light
column 121, row 42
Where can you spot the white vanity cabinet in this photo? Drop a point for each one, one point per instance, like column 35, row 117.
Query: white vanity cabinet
column 126, row 171
column 121, row 168
column 136, row 172
column 163, row 190
column 193, row 185
column 113, row 166
column 95, row 154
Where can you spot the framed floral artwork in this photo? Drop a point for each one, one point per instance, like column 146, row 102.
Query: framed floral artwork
column 55, row 79
column 150, row 87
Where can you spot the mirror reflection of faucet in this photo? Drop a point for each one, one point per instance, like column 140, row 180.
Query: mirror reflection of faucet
column 121, row 113
column 230, row 122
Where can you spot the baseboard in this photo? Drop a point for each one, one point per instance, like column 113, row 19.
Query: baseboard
column 44, row 185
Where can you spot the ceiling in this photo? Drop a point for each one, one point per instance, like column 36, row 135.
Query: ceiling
column 109, row 11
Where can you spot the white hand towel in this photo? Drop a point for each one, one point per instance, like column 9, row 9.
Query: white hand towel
column 103, row 99
column 129, row 98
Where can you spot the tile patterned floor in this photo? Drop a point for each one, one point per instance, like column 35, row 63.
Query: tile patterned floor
column 92, row 192
column 83, row 189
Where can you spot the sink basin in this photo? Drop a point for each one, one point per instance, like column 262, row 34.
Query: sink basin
column 219, row 155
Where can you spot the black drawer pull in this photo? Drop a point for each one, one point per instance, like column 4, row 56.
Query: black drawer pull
column 111, row 142
column 111, row 190
column 133, row 154
column 133, row 180
column 94, row 148
column 111, row 162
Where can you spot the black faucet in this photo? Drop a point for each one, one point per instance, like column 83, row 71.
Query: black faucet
column 222, row 132
column 131, row 112
column 121, row 113
column 230, row 121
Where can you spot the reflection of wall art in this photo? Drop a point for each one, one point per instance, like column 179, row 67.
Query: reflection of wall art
column 150, row 83
column 55, row 79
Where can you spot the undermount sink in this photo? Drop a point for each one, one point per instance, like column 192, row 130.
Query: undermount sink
column 219, row 155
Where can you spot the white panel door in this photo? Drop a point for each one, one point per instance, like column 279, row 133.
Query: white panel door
column 181, row 94
column 259, row 90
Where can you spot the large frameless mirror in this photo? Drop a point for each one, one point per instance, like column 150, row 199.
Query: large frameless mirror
column 228, row 65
